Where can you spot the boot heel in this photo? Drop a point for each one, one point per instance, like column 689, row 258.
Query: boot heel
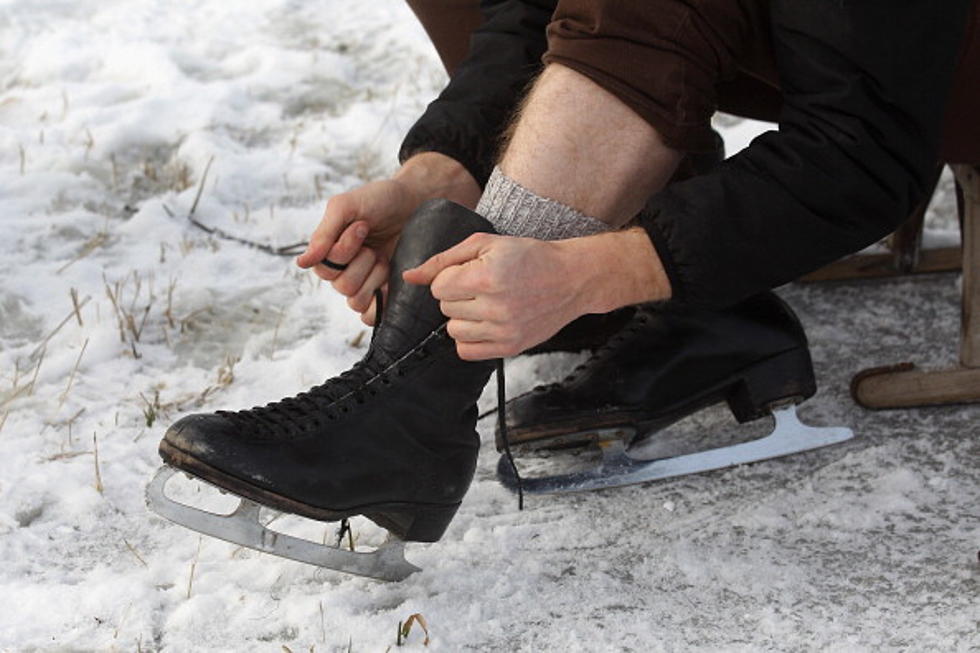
column 786, row 376
column 425, row 523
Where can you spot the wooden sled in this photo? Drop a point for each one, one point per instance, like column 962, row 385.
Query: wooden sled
column 902, row 385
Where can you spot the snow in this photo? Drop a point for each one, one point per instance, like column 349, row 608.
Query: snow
column 109, row 114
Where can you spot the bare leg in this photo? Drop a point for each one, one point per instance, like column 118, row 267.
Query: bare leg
column 576, row 143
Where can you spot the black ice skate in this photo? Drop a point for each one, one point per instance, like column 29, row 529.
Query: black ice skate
column 663, row 366
column 392, row 439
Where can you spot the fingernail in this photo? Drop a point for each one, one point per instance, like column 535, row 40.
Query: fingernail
column 361, row 231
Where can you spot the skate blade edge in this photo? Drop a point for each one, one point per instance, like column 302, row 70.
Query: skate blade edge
column 242, row 527
column 409, row 521
column 618, row 469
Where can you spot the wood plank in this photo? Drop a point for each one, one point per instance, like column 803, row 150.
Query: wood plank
column 903, row 386
column 879, row 266
column 968, row 177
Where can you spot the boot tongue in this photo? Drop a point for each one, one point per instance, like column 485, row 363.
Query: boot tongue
column 412, row 313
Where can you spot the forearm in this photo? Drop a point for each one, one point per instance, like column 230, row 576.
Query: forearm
column 612, row 270
column 431, row 175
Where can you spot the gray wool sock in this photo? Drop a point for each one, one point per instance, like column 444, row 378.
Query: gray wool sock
column 516, row 211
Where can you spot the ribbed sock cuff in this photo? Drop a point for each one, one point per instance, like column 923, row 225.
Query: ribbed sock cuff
column 516, row 211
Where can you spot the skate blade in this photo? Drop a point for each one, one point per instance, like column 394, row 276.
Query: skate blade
column 243, row 527
column 617, row 468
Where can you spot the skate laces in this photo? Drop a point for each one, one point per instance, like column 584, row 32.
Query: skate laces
column 322, row 399
column 502, row 420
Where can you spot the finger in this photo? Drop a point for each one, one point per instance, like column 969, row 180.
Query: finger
column 362, row 299
column 370, row 316
column 359, row 267
column 465, row 251
column 346, row 248
column 340, row 212
column 352, row 278
column 472, row 331
column 474, row 310
column 458, row 283
column 481, row 351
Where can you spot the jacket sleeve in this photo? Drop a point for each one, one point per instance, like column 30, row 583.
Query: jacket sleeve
column 865, row 85
column 466, row 120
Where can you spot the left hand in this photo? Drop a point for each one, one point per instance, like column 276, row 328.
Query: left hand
column 503, row 294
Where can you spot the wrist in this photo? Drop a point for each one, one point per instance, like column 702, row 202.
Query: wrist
column 431, row 175
column 617, row 269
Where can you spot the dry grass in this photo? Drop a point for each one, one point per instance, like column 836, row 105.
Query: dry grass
column 98, row 470
column 406, row 628
column 71, row 377
column 190, row 579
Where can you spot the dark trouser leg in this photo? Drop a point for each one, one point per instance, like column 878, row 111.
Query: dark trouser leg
column 449, row 24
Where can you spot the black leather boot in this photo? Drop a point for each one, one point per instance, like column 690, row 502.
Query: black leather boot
column 392, row 439
column 666, row 364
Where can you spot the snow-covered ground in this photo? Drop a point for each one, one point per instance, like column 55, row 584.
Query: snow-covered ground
column 117, row 316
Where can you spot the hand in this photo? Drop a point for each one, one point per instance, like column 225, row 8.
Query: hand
column 360, row 228
column 502, row 294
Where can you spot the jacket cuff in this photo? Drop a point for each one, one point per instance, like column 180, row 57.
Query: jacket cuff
column 475, row 154
column 661, row 239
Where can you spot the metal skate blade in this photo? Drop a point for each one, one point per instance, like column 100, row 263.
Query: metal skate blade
column 243, row 527
column 617, row 468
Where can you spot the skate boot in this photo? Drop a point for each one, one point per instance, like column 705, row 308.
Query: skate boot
column 665, row 365
column 392, row 439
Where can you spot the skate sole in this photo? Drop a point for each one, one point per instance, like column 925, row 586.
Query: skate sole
column 411, row 522
column 750, row 393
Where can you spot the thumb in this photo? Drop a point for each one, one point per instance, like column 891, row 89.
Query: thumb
column 469, row 249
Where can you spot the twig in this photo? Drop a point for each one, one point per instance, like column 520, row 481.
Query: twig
column 74, row 303
column 200, row 187
column 98, row 472
column 190, row 580
column 323, row 627
column 93, row 243
column 3, row 420
column 57, row 329
column 37, row 370
column 404, row 630
column 71, row 377
column 132, row 550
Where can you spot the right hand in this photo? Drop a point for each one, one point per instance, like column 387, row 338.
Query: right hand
column 359, row 229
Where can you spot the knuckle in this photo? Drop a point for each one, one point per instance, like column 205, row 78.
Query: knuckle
column 357, row 303
column 325, row 273
column 485, row 282
column 438, row 288
column 344, row 286
column 502, row 313
column 453, row 329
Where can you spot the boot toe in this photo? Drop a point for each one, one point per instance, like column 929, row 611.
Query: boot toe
column 198, row 434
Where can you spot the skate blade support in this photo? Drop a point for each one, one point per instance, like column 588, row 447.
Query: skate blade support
column 242, row 526
column 617, row 468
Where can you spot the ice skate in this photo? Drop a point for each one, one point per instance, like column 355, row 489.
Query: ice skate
column 392, row 439
column 663, row 366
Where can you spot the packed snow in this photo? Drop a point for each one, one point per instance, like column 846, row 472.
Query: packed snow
column 117, row 316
